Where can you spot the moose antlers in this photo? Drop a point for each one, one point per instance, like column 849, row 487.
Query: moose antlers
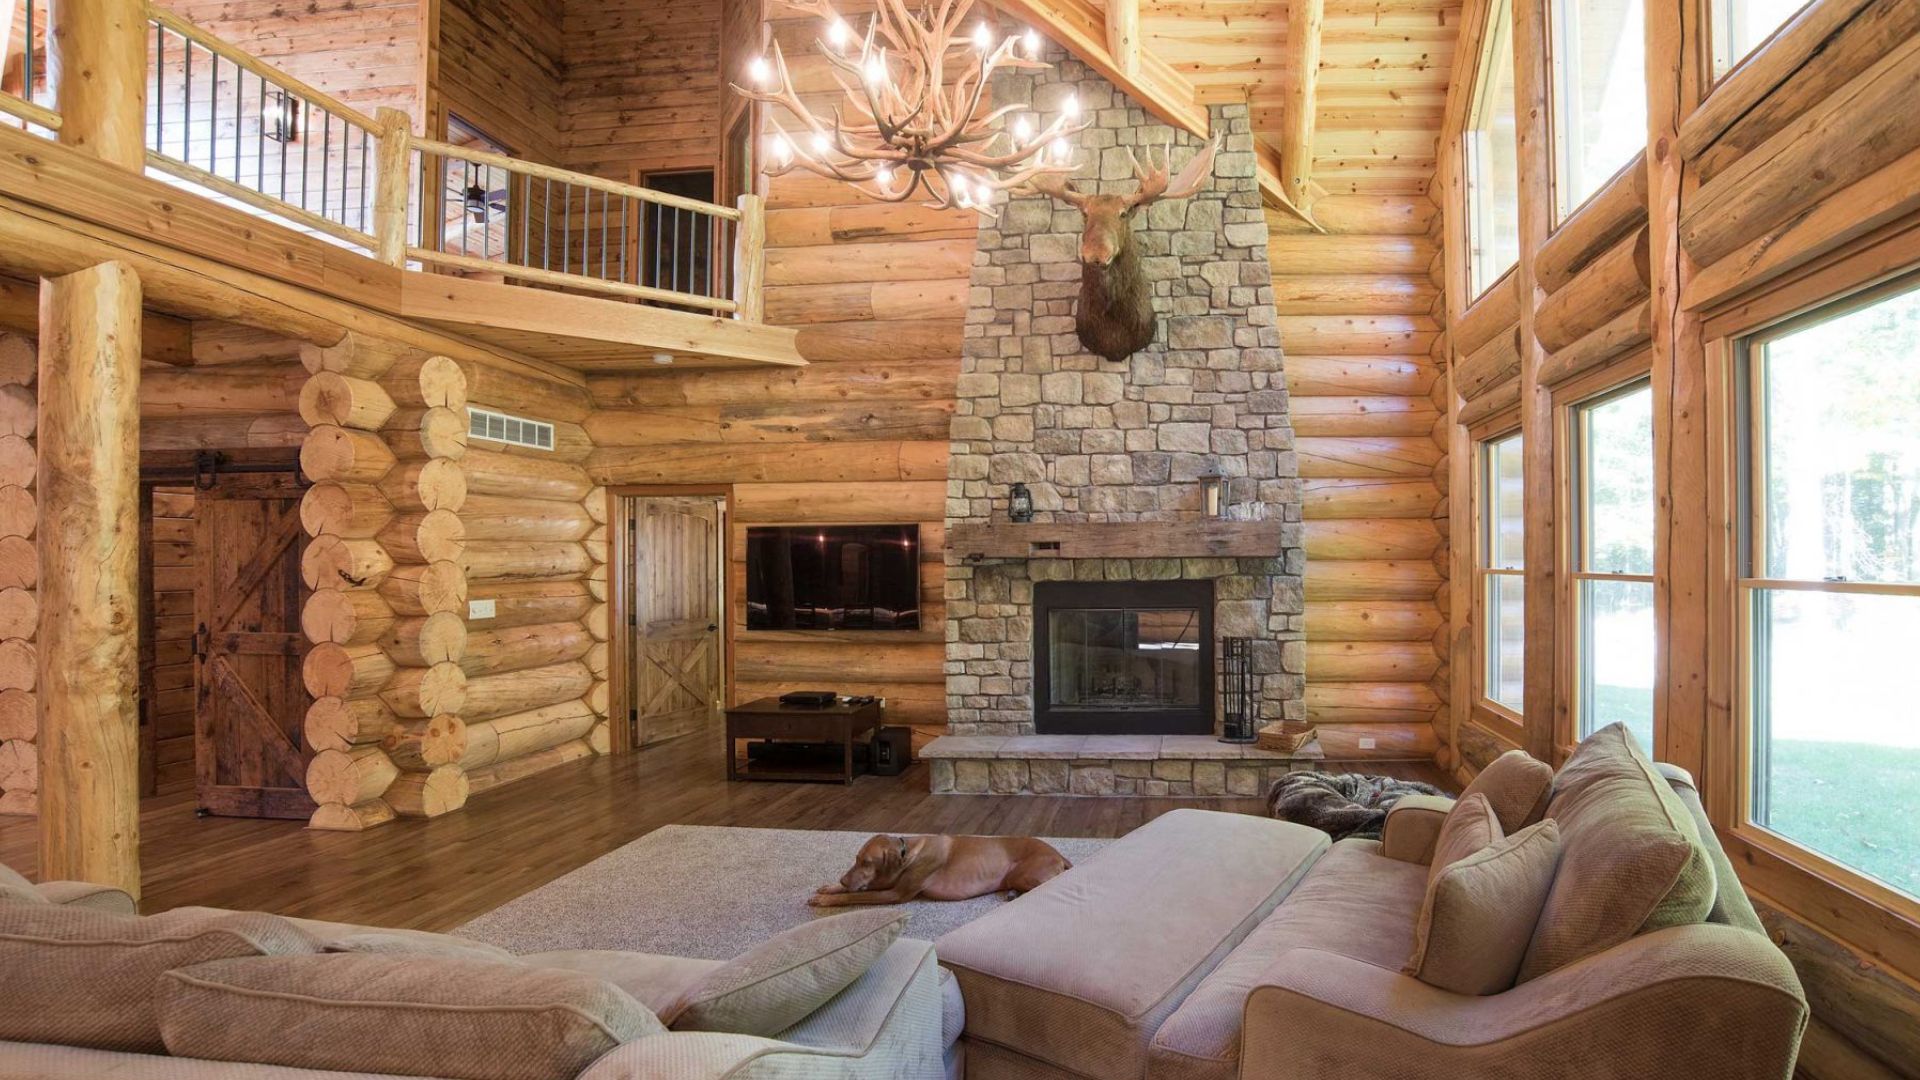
column 1154, row 184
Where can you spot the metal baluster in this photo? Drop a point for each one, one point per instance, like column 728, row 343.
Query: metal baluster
column 659, row 249
column 486, row 212
column 566, row 226
column 326, row 155
column 466, row 173
column 186, row 100
column 213, row 115
column 26, row 69
column 526, row 216
column 239, row 114
column 306, row 150
column 546, row 227
column 361, row 217
column 678, row 254
column 605, row 198
column 159, row 85
column 624, row 200
column 286, row 102
column 260, row 144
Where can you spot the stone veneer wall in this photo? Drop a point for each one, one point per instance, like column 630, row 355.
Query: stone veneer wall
column 1107, row 442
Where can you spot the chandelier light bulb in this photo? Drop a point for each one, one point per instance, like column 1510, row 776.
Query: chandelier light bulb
column 821, row 144
column 782, row 150
column 1072, row 106
column 1061, row 150
column 876, row 70
column 884, row 175
column 759, row 71
column 1031, row 39
column 1022, row 129
column 838, row 34
column 982, row 37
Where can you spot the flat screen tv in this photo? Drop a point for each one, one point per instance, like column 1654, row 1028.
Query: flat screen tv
column 833, row 577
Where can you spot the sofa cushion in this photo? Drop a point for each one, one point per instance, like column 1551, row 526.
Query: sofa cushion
column 413, row 1015
column 81, row 977
column 1081, row 972
column 779, row 982
column 1517, row 786
column 1470, row 826
column 661, row 983
column 1355, row 901
column 1631, row 858
column 16, row 889
column 419, row 943
column 1479, row 913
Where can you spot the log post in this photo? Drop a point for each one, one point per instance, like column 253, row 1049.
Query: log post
column 1123, row 35
column 1304, row 18
column 97, row 65
column 89, row 670
column 750, row 260
column 390, row 186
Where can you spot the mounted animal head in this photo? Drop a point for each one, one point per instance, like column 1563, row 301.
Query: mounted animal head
column 878, row 865
column 1115, row 318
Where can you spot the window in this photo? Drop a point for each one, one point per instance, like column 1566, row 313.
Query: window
column 1501, row 564
column 1599, row 94
column 1740, row 25
column 1612, row 519
column 1492, row 158
column 1829, row 589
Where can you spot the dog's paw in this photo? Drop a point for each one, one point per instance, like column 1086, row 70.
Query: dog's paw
column 820, row 900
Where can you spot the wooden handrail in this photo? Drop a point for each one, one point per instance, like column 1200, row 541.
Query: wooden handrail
column 241, row 59
column 565, row 176
column 29, row 111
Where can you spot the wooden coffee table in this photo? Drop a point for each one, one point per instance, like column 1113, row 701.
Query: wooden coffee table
column 766, row 718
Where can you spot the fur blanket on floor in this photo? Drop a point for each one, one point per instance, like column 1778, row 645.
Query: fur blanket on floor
column 1341, row 804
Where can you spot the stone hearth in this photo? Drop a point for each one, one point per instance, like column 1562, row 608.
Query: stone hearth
column 1120, row 444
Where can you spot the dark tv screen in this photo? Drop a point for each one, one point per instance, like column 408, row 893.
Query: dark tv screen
column 833, row 577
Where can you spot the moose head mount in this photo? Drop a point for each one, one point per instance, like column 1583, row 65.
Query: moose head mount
column 1115, row 317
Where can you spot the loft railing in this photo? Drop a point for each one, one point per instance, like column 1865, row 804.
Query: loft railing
column 23, row 47
column 225, row 122
column 487, row 213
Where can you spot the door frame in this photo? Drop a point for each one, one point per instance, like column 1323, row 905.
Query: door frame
column 619, row 599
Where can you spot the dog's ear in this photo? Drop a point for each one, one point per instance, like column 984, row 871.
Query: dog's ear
column 903, row 851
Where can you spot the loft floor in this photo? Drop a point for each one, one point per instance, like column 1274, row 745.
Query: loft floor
column 437, row 874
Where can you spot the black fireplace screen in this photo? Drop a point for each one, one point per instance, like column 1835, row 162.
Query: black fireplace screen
column 1123, row 657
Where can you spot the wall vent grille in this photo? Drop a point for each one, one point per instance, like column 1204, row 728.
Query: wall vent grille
column 513, row 430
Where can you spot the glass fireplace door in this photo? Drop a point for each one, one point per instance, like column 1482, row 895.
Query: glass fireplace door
column 1123, row 658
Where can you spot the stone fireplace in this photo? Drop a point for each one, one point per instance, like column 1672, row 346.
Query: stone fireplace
column 1112, row 454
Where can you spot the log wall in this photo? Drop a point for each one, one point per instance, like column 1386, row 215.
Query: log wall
column 19, row 575
column 365, row 52
column 641, row 89
column 500, row 67
column 1355, row 308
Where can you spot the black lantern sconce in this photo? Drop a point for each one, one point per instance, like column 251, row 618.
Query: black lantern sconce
column 1019, row 503
column 281, row 121
column 1239, row 714
column 1213, row 494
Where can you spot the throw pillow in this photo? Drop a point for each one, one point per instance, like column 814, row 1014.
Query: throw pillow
column 1480, row 912
column 1470, row 826
column 409, row 1015
column 776, row 984
column 81, row 977
column 1631, row 858
column 1518, row 787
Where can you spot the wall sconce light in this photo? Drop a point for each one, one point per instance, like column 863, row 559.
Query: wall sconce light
column 1019, row 503
column 281, row 123
column 1213, row 494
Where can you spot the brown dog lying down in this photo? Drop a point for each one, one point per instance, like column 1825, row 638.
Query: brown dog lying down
column 895, row 869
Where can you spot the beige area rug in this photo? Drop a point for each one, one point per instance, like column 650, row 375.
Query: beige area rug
column 706, row 891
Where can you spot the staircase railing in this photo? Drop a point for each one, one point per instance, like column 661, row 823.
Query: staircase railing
column 21, row 82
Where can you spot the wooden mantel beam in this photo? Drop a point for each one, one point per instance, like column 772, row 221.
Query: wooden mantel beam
column 1296, row 126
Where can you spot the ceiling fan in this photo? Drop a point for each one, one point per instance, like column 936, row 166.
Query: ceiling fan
column 477, row 200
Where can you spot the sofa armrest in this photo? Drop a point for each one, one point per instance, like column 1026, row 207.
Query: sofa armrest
column 85, row 894
column 704, row 1055
column 1413, row 825
column 1701, row 1000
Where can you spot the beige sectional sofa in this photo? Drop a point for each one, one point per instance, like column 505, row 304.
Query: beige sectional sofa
column 73, row 990
column 1212, row 946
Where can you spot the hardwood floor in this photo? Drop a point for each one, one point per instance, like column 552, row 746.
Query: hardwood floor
column 435, row 875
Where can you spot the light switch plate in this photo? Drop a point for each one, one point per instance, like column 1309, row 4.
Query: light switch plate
column 479, row 609
column 1366, row 743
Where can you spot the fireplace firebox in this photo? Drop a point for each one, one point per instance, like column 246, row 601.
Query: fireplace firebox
column 1123, row 657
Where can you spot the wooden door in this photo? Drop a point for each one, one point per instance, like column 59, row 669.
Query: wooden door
column 249, row 757
column 674, row 616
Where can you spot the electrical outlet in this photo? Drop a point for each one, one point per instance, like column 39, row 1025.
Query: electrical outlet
column 479, row 609
column 1366, row 743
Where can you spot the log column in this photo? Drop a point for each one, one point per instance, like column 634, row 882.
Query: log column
column 19, row 577
column 97, row 64
column 89, row 668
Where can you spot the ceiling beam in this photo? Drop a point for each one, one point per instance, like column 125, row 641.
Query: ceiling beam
column 1296, row 127
column 1123, row 35
column 1081, row 27
column 1268, row 169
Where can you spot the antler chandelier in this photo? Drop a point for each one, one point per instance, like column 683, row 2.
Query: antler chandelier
column 903, row 129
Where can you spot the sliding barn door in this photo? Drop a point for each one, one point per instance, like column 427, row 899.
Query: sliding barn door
column 250, row 759
column 674, row 616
